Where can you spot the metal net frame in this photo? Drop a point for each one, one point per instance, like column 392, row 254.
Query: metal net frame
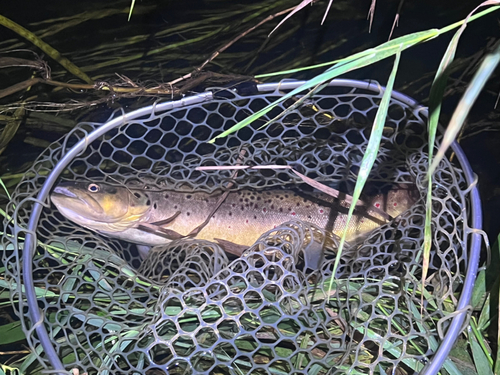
column 87, row 301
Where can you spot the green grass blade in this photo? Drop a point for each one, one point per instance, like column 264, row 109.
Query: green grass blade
column 484, row 72
column 132, row 4
column 481, row 341
column 484, row 320
column 448, row 364
column 435, row 100
column 479, row 290
column 480, row 359
column 40, row 292
column 474, row 17
column 11, row 332
column 353, row 62
column 28, row 35
column 497, row 359
column 368, row 158
column 356, row 61
column 5, row 189
column 31, row 358
column 363, row 53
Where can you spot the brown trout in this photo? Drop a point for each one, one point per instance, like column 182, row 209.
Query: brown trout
column 243, row 217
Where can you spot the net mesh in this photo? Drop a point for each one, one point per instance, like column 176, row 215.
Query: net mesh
column 189, row 308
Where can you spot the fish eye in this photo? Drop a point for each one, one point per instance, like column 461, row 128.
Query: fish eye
column 94, row 188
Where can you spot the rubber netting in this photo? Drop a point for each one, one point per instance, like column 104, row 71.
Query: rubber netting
column 189, row 308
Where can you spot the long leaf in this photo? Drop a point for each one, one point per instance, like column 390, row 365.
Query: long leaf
column 481, row 341
column 356, row 61
column 480, row 360
column 435, row 99
column 448, row 364
column 368, row 158
column 68, row 65
column 484, row 72
column 350, row 63
column 362, row 53
column 6, row 191
column 11, row 332
column 479, row 290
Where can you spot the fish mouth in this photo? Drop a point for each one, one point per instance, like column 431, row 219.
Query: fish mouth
column 60, row 190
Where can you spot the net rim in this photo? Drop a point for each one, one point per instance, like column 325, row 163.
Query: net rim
column 457, row 322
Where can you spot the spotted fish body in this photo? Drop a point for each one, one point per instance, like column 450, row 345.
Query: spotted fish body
column 243, row 216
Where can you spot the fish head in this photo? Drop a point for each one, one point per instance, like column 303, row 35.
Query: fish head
column 99, row 206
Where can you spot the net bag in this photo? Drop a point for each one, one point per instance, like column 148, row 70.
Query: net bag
column 88, row 302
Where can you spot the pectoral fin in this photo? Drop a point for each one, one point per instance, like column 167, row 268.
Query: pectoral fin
column 159, row 231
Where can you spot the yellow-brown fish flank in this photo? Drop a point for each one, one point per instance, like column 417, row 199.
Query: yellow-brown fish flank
column 243, row 216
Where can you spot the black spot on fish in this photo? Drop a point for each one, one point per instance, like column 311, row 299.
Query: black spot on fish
column 272, row 207
column 137, row 195
column 286, row 196
column 189, row 196
column 155, row 206
column 247, row 200
column 309, row 217
column 241, row 199
column 255, row 217
column 230, row 214
column 148, row 203
column 175, row 207
column 268, row 192
column 188, row 213
column 281, row 198
column 259, row 198
column 298, row 204
column 167, row 196
column 281, row 209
